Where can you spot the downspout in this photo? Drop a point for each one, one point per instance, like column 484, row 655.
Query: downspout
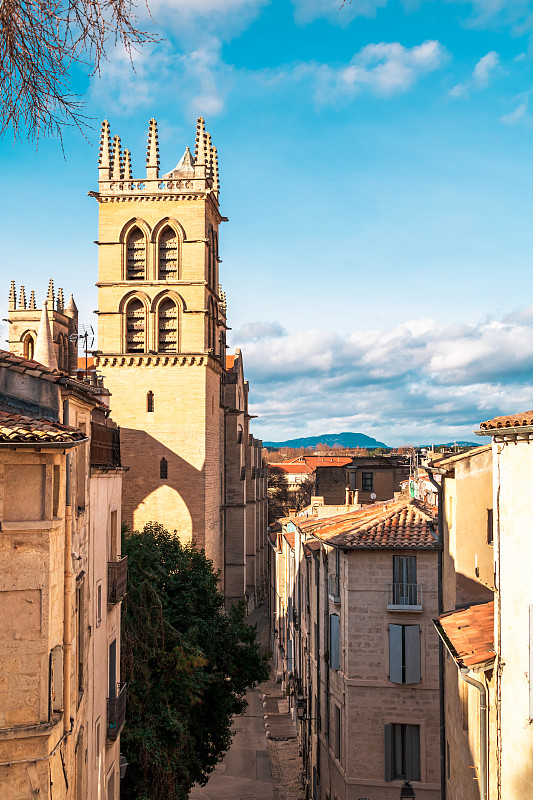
column 440, row 539
column 483, row 743
column 67, row 583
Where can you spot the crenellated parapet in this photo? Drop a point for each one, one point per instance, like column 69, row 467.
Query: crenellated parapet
column 193, row 176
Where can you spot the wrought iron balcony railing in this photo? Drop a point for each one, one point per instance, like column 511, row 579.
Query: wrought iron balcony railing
column 404, row 597
column 117, row 579
column 116, row 712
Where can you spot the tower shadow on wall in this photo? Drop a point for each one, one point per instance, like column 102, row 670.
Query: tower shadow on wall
column 150, row 493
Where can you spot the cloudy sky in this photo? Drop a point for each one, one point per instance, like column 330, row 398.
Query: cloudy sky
column 376, row 169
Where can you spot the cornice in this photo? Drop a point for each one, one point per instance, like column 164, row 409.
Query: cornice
column 158, row 360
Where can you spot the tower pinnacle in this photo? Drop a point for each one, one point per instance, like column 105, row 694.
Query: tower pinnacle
column 200, row 155
column 44, row 347
column 152, row 152
column 12, row 297
column 116, row 172
column 104, row 160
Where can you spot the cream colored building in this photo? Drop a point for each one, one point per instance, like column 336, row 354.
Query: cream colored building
column 59, row 734
column 162, row 352
column 353, row 601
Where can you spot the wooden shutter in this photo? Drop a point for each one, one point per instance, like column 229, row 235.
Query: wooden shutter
column 412, row 753
column 388, row 752
column 412, row 653
column 334, row 642
column 395, row 653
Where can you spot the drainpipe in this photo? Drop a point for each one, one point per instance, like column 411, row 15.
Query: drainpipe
column 483, row 743
column 67, row 582
column 440, row 534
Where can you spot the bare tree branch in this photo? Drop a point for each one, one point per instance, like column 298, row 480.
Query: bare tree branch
column 40, row 40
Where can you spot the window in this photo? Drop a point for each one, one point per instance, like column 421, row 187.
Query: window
column 113, row 539
column 367, row 481
column 97, row 739
column 337, row 732
column 150, row 401
column 404, row 588
column 29, row 346
column 404, row 653
column 112, row 666
column 490, row 526
column 168, row 255
column 56, row 680
column 135, row 326
column 334, row 641
column 402, row 752
column 135, row 255
column 316, row 642
column 56, row 485
column 98, row 604
column 168, row 327
column 80, row 604
column 163, row 468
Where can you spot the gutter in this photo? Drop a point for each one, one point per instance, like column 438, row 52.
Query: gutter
column 42, row 445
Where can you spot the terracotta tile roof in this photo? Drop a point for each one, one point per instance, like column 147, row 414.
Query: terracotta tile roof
column 23, row 365
column 292, row 469
column 469, row 633
column 17, row 428
column 510, row 421
column 311, row 545
column 396, row 524
column 321, row 461
column 290, row 537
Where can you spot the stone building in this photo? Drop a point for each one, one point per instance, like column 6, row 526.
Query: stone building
column 60, row 489
column 365, row 480
column 162, row 352
column 353, row 601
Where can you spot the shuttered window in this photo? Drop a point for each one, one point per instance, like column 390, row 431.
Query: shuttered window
column 404, row 653
column 402, row 752
column 334, row 641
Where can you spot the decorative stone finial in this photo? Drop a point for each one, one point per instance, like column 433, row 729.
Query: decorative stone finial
column 184, row 168
column 50, row 296
column 72, row 309
column 152, row 152
column 44, row 346
column 60, row 300
column 12, row 297
column 22, row 297
column 127, row 166
column 32, row 300
column 116, row 172
column 200, row 156
column 104, row 160
column 215, row 178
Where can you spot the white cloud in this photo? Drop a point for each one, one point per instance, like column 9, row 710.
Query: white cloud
column 416, row 380
column 516, row 115
column 336, row 11
column 481, row 75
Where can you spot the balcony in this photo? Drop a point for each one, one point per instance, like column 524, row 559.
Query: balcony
column 334, row 589
column 404, row 597
column 117, row 580
column 105, row 446
column 116, row 712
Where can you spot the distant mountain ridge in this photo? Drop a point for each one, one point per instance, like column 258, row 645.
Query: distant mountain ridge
column 345, row 439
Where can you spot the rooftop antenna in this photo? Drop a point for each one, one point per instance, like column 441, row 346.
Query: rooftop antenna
column 84, row 332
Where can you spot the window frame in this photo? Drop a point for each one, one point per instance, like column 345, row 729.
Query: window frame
column 365, row 478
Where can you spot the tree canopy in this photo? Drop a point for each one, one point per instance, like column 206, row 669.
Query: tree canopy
column 187, row 662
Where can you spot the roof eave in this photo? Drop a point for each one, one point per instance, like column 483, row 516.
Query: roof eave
column 526, row 430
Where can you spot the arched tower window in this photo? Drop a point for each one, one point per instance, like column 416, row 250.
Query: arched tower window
column 135, row 255
column 29, row 346
column 163, row 468
column 168, row 326
column 135, row 327
column 211, row 328
column 168, row 255
column 150, row 401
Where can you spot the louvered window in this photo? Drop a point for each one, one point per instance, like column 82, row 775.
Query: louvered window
column 135, row 256
column 168, row 255
column 404, row 653
column 402, row 752
column 168, row 327
column 135, row 327
column 334, row 642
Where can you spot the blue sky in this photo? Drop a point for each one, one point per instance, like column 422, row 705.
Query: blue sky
column 376, row 168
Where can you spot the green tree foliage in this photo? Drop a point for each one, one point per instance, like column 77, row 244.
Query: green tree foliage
column 278, row 494
column 188, row 665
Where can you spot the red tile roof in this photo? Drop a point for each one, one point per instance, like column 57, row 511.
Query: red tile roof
column 396, row 524
column 469, row 633
column 292, row 469
column 510, row 421
column 24, row 365
column 321, row 461
column 17, row 428
column 290, row 536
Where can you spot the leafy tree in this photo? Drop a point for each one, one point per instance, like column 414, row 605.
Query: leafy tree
column 278, row 494
column 302, row 497
column 188, row 665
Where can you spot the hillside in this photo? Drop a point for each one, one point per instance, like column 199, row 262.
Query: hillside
column 345, row 439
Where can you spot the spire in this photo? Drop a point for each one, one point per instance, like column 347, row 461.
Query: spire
column 22, row 298
column 184, row 168
column 72, row 309
column 104, row 160
column 60, row 300
column 44, row 346
column 116, row 172
column 12, row 297
column 199, row 150
column 216, row 180
column 50, row 295
column 127, row 166
column 32, row 300
column 152, row 152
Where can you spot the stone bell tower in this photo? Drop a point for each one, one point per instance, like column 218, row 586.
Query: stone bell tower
column 161, row 333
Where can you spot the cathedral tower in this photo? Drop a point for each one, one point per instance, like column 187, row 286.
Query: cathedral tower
column 161, row 333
